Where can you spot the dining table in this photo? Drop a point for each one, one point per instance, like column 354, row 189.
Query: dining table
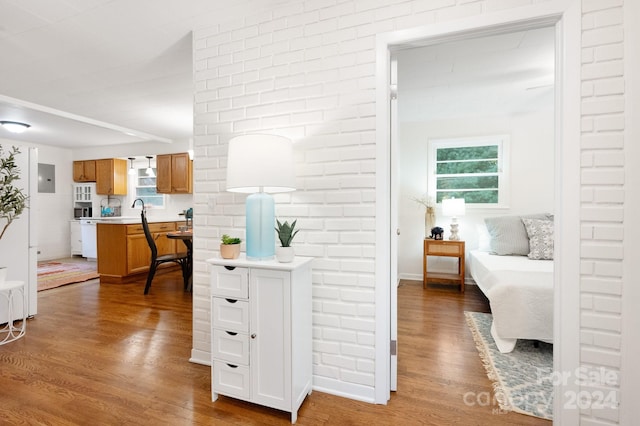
column 187, row 239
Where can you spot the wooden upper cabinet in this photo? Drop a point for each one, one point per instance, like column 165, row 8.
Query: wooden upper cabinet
column 84, row 171
column 174, row 174
column 111, row 176
column 163, row 174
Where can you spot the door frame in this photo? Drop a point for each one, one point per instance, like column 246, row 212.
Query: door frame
column 565, row 15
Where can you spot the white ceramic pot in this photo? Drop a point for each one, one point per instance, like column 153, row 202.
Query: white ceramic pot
column 285, row 254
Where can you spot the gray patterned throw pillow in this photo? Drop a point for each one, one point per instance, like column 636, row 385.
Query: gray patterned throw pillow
column 540, row 238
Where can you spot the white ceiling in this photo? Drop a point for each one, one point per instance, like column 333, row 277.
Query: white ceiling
column 488, row 76
column 95, row 72
column 102, row 72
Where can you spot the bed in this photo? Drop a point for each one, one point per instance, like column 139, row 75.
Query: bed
column 519, row 288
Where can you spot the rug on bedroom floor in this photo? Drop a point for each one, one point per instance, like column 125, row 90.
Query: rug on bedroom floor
column 522, row 378
column 56, row 274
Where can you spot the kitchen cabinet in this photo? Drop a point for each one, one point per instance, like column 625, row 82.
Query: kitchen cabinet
column 75, row 236
column 83, row 192
column 261, row 347
column 174, row 174
column 111, row 176
column 84, row 171
column 138, row 252
column 123, row 252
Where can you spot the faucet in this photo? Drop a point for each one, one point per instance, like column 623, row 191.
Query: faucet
column 134, row 203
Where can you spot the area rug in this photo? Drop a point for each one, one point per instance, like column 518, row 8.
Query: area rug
column 522, row 378
column 56, row 274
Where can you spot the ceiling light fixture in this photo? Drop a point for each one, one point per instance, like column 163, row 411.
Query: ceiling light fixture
column 14, row 126
column 132, row 171
column 149, row 169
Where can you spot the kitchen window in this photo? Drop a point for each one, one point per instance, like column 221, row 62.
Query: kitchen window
column 475, row 169
column 146, row 189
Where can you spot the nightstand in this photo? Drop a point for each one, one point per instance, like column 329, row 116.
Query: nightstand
column 446, row 248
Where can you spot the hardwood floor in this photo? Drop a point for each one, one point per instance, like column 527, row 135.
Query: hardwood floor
column 108, row 355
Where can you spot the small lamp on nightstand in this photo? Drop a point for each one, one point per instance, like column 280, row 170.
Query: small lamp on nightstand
column 453, row 207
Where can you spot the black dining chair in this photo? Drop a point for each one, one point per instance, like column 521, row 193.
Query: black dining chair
column 180, row 258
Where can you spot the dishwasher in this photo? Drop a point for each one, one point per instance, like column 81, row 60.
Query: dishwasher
column 89, row 244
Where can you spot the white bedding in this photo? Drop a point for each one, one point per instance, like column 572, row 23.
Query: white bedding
column 520, row 292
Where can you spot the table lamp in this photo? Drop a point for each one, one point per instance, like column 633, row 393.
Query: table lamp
column 260, row 165
column 453, row 207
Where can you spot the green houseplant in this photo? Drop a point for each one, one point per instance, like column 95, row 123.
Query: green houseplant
column 13, row 201
column 286, row 232
column 230, row 247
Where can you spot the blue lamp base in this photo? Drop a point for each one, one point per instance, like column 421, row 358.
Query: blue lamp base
column 261, row 219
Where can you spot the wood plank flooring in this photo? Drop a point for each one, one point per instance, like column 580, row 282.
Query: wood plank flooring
column 108, row 355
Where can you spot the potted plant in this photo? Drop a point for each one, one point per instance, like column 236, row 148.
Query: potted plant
column 286, row 232
column 13, row 201
column 230, row 247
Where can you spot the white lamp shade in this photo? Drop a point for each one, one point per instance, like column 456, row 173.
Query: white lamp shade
column 260, row 163
column 453, row 207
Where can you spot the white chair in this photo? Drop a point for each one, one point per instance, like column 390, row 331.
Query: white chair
column 8, row 291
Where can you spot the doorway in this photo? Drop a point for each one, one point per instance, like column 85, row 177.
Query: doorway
column 465, row 91
column 566, row 18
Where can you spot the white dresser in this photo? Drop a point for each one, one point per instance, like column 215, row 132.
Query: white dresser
column 261, row 331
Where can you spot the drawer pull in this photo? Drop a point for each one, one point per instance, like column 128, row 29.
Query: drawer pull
column 231, row 333
column 232, row 366
column 253, row 336
column 231, row 300
column 229, row 268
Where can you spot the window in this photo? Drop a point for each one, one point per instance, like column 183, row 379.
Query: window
column 472, row 168
column 146, row 188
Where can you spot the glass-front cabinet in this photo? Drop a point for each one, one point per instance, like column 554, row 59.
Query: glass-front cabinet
column 83, row 192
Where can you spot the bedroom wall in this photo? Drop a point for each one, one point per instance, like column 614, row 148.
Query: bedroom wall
column 531, row 179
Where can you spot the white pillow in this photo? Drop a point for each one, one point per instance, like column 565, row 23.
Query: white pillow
column 540, row 238
column 508, row 234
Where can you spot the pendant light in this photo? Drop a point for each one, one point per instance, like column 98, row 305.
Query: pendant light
column 132, row 171
column 149, row 169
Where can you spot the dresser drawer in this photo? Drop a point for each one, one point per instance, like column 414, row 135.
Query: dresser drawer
column 444, row 248
column 230, row 282
column 231, row 347
column 231, row 380
column 230, row 314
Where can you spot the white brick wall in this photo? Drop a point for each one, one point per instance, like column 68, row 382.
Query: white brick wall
column 306, row 69
column 602, row 180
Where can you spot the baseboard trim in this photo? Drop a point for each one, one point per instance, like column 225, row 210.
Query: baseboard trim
column 200, row 357
column 416, row 277
column 345, row 390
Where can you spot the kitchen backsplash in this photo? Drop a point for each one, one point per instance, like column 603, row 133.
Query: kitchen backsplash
column 174, row 205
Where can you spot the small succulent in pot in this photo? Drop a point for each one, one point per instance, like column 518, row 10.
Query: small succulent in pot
column 226, row 239
column 286, row 232
column 230, row 247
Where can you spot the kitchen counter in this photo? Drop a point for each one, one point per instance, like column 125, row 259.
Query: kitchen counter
column 130, row 220
column 123, row 251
